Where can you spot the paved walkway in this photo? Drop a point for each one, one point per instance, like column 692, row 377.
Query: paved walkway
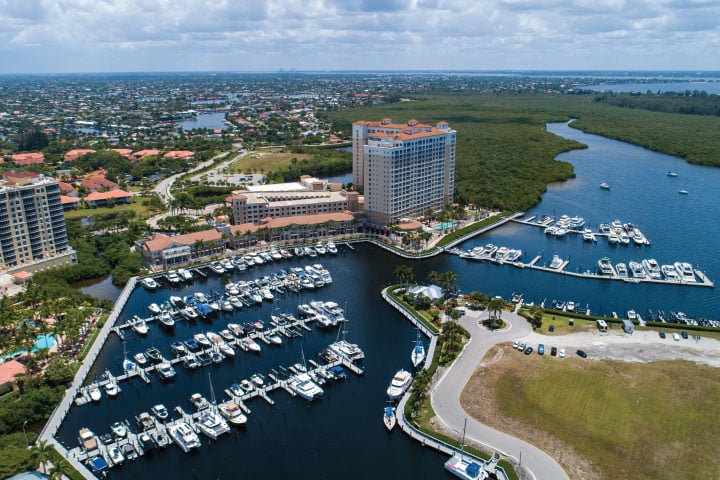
column 445, row 397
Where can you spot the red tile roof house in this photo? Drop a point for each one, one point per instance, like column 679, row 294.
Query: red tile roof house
column 8, row 370
column 28, row 158
column 68, row 189
column 112, row 197
column 166, row 251
column 140, row 154
column 75, row 154
column 69, row 203
column 123, row 152
column 180, row 154
column 96, row 180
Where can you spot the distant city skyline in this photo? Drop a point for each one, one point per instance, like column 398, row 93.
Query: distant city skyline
column 55, row 36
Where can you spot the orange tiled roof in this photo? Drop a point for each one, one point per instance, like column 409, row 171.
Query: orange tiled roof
column 186, row 154
column 65, row 200
column 295, row 220
column 75, row 154
column 125, row 152
column 160, row 241
column 95, row 196
column 28, row 158
column 140, row 154
column 9, row 369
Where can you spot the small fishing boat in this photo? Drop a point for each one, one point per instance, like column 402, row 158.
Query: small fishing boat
column 389, row 418
column 149, row 283
column 160, row 412
column 112, row 389
column 94, row 392
column 118, row 429
column 154, row 308
column 605, row 186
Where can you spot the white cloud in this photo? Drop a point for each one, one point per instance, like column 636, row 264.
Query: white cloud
column 58, row 35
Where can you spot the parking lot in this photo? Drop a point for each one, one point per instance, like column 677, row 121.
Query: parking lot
column 641, row 346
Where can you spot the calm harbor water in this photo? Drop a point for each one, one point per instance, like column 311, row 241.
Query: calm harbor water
column 711, row 87
column 342, row 434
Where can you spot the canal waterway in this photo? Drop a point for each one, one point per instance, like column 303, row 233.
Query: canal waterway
column 342, row 434
column 213, row 121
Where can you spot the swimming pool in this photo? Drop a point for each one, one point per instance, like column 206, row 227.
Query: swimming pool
column 444, row 226
column 42, row 342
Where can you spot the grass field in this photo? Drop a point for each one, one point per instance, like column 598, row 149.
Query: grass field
column 630, row 420
column 265, row 162
column 141, row 211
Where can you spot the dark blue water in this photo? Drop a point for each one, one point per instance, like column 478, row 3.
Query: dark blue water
column 340, row 435
column 213, row 121
column 680, row 227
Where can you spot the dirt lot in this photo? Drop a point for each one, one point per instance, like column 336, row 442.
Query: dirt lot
column 480, row 397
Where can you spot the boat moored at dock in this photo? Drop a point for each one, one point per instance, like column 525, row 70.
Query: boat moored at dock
column 184, row 436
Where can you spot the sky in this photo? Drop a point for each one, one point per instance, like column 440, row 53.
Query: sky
column 56, row 36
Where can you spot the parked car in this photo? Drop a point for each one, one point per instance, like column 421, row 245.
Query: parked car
column 684, row 334
column 522, row 347
column 562, row 353
column 528, row 350
column 676, row 337
column 541, row 349
column 553, row 351
column 516, row 344
column 582, row 353
column 662, row 334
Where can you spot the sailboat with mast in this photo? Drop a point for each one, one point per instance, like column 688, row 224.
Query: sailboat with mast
column 463, row 466
column 343, row 348
column 417, row 357
column 684, row 190
column 128, row 365
column 673, row 172
column 210, row 422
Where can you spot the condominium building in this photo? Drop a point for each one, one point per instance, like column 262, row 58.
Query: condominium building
column 309, row 196
column 404, row 170
column 32, row 222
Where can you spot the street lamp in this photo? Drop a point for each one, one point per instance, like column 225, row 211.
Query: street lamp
column 25, row 434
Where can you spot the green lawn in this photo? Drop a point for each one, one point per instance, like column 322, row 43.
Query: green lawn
column 140, row 210
column 639, row 421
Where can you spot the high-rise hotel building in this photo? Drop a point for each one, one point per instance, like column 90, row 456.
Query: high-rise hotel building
column 32, row 222
column 404, row 169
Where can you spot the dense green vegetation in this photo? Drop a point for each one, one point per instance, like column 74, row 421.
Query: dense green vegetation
column 15, row 457
column 504, row 155
column 690, row 103
column 324, row 162
column 197, row 197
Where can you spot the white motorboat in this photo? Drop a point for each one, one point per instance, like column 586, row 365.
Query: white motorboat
column 185, row 274
column 613, row 238
column 670, row 273
column 274, row 339
column 556, row 262
column 202, row 340
column 257, row 380
column 232, row 413
column 348, row 350
column 190, row 313
column 200, row 297
column 184, row 436
column 251, row 345
column 165, row 370
column 320, row 248
column 465, row 467
column 118, row 429
column 212, row 424
column 149, row 283
column 417, row 357
column 160, row 412
column 621, row 270
column 166, row 319
column 652, row 267
column 605, row 186
column 637, row 270
column 140, row 359
column 605, row 266
column 112, row 389
column 154, row 308
column 588, row 235
column 217, row 268
column 686, row 271
column 139, row 325
column 95, row 393
column 176, row 302
column 399, row 384
column 198, row 401
column 389, row 418
column 246, row 385
column 226, row 349
column 173, row 277
column 116, row 457
column 304, row 386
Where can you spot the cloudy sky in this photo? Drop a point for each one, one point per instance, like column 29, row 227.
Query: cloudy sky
column 249, row 35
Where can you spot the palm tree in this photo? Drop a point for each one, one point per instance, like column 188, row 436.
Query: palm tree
column 60, row 469
column 404, row 273
column 42, row 449
column 496, row 306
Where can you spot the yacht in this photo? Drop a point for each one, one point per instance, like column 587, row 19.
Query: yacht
column 154, row 308
column 670, row 273
column 320, row 248
column 190, row 313
column 140, row 359
column 613, row 238
column 299, row 251
column 588, row 235
column 637, row 269
column 250, row 345
column 331, row 248
column 217, row 268
column 624, row 237
column 166, row 319
column 556, row 262
column 212, row 424
column 621, row 270
column 303, row 385
column 160, row 412
column 501, row 253
column 652, row 268
column 118, row 429
column 198, row 401
column 184, row 436
column 112, row 389
column 176, row 302
column 400, row 382
column 202, row 340
column 116, row 457
column 232, row 413
column 389, row 418
column 348, row 350
column 417, row 357
column 149, row 283
column 605, row 266
column 686, row 272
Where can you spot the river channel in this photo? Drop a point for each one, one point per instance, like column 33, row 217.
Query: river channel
column 341, row 435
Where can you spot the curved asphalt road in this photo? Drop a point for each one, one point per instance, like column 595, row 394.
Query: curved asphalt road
column 445, row 398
